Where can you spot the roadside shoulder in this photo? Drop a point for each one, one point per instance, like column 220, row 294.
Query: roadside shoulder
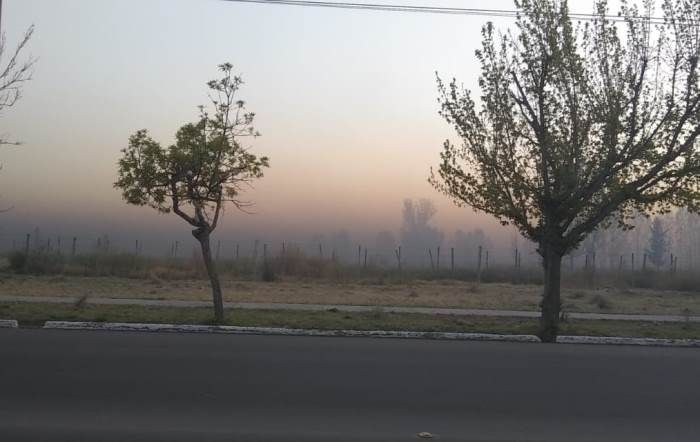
column 280, row 331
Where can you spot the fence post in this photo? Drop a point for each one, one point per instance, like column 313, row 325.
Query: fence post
column 237, row 247
column 644, row 262
column 487, row 260
column 72, row 250
column 365, row 257
column 478, row 267
column 452, row 259
column 265, row 253
column 432, row 265
column 320, row 250
column 284, row 257
column 438, row 259
column 397, row 252
column 26, row 245
column 620, row 267
column 359, row 254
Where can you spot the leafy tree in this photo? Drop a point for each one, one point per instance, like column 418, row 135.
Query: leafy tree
column 579, row 126
column 658, row 243
column 195, row 177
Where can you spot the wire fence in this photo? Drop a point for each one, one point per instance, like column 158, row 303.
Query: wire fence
column 438, row 259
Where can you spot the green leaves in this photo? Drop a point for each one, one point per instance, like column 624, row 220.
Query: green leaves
column 205, row 168
column 576, row 125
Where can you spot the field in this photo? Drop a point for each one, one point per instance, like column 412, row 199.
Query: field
column 423, row 293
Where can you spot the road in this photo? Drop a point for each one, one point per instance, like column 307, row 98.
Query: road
column 108, row 386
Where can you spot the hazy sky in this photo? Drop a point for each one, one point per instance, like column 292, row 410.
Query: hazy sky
column 346, row 103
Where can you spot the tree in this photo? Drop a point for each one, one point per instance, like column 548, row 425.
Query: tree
column 195, row 177
column 417, row 235
column 658, row 243
column 578, row 126
column 467, row 245
column 13, row 74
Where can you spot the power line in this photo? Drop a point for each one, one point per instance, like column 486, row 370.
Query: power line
column 508, row 13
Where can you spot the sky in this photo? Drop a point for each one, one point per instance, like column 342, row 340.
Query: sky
column 346, row 102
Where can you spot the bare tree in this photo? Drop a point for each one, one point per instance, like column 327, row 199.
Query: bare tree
column 579, row 126
column 206, row 168
column 14, row 72
column 658, row 243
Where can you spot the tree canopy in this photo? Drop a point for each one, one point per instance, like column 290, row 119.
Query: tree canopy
column 578, row 124
column 205, row 168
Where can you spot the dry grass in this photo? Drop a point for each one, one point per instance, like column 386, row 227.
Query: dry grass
column 417, row 293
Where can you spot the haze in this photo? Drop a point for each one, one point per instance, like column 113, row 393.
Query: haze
column 345, row 100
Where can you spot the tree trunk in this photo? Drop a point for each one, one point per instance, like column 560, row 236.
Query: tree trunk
column 202, row 235
column 551, row 300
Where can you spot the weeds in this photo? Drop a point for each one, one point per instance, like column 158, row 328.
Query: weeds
column 295, row 264
column 601, row 302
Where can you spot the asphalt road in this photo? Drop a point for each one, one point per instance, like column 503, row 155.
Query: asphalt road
column 107, row 386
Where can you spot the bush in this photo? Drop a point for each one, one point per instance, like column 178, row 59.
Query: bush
column 601, row 302
column 268, row 273
column 18, row 261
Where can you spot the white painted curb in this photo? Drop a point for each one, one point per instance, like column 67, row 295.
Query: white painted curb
column 8, row 323
column 230, row 329
column 615, row 340
column 120, row 326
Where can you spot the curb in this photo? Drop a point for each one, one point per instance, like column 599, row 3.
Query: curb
column 616, row 340
column 278, row 331
column 8, row 323
column 231, row 329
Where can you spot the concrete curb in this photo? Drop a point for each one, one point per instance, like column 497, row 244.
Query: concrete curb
column 8, row 323
column 615, row 340
column 230, row 329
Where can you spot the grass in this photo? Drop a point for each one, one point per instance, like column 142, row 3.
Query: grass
column 34, row 314
column 419, row 293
